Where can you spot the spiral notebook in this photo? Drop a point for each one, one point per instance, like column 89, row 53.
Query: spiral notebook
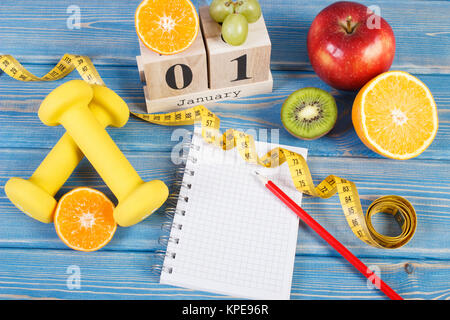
column 229, row 234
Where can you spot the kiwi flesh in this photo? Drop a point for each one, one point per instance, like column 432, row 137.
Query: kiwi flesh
column 309, row 113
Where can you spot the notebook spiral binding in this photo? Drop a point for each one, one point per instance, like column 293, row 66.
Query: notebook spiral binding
column 179, row 191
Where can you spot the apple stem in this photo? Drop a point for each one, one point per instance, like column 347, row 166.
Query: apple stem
column 349, row 24
column 349, row 27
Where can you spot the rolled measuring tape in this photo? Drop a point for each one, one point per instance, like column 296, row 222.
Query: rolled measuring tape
column 360, row 223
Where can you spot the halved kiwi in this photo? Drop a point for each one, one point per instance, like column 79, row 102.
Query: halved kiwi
column 309, row 113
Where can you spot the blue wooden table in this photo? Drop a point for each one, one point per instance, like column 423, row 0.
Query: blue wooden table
column 35, row 264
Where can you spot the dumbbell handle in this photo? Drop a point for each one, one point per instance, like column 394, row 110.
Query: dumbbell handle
column 62, row 160
column 57, row 166
column 101, row 150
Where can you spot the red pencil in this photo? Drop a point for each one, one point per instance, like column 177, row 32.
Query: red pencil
column 329, row 238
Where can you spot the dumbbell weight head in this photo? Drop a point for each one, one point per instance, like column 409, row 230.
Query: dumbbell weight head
column 141, row 203
column 65, row 97
column 108, row 107
column 31, row 199
column 104, row 103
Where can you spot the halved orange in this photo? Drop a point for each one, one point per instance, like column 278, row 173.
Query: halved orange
column 167, row 26
column 395, row 115
column 84, row 219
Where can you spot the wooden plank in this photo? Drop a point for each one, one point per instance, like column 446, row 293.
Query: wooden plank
column 38, row 274
column 20, row 126
column 108, row 36
column 121, row 270
column 425, row 184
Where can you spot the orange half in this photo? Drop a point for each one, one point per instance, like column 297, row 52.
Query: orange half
column 395, row 115
column 167, row 26
column 84, row 219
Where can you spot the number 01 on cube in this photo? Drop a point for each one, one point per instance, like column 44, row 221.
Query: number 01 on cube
column 209, row 71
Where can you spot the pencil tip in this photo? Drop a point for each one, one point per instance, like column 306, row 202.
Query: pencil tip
column 261, row 177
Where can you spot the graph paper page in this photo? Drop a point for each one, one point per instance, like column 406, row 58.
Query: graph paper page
column 236, row 238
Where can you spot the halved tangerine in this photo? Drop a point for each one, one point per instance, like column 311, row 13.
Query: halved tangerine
column 84, row 219
column 167, row 26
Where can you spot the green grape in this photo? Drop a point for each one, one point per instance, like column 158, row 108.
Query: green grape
column 235, row 29
column 250, row 9
column 220, row 9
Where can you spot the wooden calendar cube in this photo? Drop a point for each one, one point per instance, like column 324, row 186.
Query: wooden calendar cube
column 173, row 75
column 209, row 71
column 140, row 68
column 236, row 65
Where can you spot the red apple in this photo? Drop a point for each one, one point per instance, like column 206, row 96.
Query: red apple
column 348, row 45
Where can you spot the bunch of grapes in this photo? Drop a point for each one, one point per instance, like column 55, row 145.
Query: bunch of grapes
column 235, row 17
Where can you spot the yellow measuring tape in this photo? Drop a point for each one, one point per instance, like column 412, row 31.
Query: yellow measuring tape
column 360, row 223
column 66, row 65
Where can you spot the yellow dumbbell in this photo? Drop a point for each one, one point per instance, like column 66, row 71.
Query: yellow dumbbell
column 35, row 196
column 68, row 105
